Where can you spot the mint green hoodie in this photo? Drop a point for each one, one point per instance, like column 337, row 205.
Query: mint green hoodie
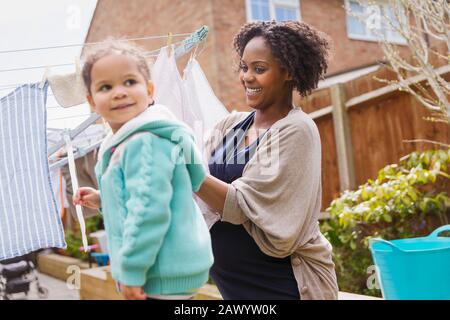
column 157, row 237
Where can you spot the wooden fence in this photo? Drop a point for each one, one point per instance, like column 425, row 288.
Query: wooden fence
column 363, row 126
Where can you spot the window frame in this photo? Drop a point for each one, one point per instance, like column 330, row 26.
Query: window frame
column 391, row 36
column 288, row 4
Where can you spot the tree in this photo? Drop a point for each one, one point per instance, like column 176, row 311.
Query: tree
column 424, row 26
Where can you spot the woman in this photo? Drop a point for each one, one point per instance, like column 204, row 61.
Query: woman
column 265, row 173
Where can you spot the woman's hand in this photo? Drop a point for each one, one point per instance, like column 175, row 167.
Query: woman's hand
column 87, row 197
column 133, row 293
column 213, row 192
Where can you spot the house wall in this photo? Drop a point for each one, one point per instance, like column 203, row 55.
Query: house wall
column 137, row 18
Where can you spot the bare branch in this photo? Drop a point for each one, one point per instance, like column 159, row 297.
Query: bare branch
column 428, row 141
column 412, row 20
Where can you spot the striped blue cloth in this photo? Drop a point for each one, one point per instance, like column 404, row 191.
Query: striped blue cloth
column 28, row 216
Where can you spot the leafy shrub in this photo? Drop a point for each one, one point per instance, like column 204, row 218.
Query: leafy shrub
column 408, row 199
column 74, row 241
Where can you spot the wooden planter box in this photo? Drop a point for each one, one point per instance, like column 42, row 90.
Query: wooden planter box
column 97, row 284
column 55, row 265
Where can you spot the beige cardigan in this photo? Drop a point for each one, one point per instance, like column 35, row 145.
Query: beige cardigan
column 278, row 199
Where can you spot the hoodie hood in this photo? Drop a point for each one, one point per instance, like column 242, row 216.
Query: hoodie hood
column 160, row 121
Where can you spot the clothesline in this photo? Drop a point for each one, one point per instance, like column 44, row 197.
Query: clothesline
column 71, row 117
column 93, row 43
column 147, row 54
column 58, row 107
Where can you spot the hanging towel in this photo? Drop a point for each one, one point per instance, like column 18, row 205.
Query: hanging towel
column 59, row 189
column 29, row 219
column 68, row 89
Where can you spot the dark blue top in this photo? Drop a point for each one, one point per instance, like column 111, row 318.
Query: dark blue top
column 241, row 270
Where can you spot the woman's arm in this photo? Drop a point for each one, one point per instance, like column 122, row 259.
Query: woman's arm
column 213, row 192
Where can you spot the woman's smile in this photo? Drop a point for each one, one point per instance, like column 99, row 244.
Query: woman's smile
column 252, row 92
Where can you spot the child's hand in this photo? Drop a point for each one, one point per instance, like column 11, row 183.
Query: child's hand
column 87, row 197
column 133, row 293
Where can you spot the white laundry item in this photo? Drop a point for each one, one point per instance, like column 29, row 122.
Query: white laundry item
column 29, row 219
column 169, row 89
column 192, row 100
column 68, row 89
column 73, row 177
column 201, row 98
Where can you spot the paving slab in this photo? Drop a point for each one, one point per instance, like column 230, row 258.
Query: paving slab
column 57, row 290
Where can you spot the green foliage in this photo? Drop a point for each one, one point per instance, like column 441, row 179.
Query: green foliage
column 73, row 238
column 408, row 199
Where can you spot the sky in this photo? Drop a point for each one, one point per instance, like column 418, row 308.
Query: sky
column 27, row 24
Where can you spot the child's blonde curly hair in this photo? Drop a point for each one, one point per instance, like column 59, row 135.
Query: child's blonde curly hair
column 113, row 46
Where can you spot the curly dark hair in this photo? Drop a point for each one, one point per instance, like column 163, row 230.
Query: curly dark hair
column 298, row 47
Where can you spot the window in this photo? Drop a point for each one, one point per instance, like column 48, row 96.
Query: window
column 260, row 9
column 279, row 10
column 373, row 20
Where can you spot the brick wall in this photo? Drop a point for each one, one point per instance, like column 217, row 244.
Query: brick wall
column 227, row 21
column 330, row 17
column 224, row 18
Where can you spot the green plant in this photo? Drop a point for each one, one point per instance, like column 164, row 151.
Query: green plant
column 73, row 238
column 407, row 199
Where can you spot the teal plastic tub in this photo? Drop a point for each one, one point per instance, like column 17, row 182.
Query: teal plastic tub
column 102, row 259
column 415, row 268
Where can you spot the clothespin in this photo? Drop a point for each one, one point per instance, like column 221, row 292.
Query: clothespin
column 169, row 44
column 44, row 78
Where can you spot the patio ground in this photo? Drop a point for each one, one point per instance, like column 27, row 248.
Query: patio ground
column 58, row 290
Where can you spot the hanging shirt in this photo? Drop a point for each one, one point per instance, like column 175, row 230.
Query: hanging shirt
column 241, row 270
column 29, row 219
column 190, row 98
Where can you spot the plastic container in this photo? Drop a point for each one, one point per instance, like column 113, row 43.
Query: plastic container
column 102, row 240
column 102, row 259
column 415, row 268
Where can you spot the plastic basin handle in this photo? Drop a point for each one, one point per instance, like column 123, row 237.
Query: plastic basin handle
column 436, row 232
column 390, row 244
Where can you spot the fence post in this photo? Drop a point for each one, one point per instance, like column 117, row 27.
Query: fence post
column 343, row 138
